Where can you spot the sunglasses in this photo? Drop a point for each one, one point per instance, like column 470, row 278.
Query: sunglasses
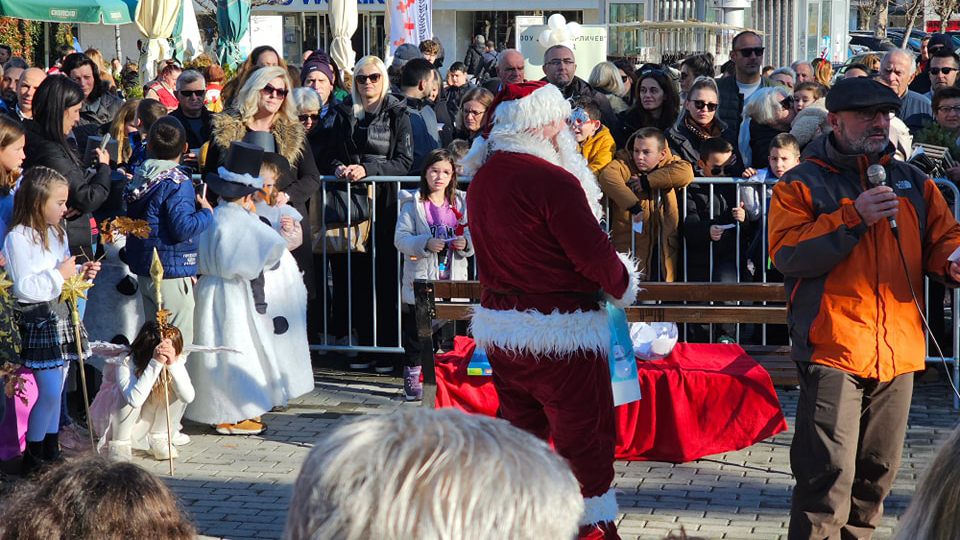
column 312, row 117
column 269, row 90
column 945, row 70
column 751, row 51
column 721, row 169
column 194, row 93
column 362, row 79
column 700, row 105
column 787, row 102
column 624, row 78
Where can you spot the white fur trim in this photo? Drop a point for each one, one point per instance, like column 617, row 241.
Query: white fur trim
column 633, row 284
column 244, row 179
column 532, row 332
column 567, row 158
column 542, row 107
column 599, row 509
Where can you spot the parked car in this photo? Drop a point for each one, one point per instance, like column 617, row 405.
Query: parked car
column 839, row 71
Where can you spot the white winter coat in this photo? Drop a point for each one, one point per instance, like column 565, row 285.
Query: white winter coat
column 411, row 240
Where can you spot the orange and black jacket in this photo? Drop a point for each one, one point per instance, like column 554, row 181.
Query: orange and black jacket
column 849, row 302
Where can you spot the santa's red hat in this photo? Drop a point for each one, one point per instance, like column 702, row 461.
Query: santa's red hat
column 523, row 106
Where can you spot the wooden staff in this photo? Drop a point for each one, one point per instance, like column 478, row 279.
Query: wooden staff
column 156, row 275
column 73, row 289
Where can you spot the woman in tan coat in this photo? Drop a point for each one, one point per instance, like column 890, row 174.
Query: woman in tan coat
column 641, row 187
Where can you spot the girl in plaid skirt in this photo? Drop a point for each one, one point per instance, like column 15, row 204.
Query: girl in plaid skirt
column 39, row 261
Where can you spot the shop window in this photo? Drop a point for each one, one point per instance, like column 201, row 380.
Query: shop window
column 625, row 40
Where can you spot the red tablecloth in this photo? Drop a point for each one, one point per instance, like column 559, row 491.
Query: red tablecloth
column 703, row 399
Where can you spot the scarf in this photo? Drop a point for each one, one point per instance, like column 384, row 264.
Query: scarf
column 700, row 132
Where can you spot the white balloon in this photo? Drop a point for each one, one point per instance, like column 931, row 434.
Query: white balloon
column 545, row 38
column 556, row 21
column 575, row 29
column 561, row 35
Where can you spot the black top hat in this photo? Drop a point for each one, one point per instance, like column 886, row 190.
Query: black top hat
column 263, row 139
column 240, row 173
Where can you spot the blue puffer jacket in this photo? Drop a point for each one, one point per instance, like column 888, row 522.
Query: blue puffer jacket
column 163, row 196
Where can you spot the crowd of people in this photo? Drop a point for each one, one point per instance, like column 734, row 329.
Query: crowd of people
column 260, row 257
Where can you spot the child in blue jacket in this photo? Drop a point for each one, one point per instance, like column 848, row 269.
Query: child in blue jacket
column 162, row 195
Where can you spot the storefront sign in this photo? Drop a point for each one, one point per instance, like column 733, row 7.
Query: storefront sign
column 589, row 49
column 265, row 30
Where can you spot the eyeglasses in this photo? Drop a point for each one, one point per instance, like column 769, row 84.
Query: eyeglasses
column 787, row 103
column 700, row 105
column 362, row 79
column 949, row 110
column 557, row 61
column 945, row 70
column 269, row 90
column 194, row 93
column 870, row 114
column 751, row 51
column 468, row 112
column 312, row 117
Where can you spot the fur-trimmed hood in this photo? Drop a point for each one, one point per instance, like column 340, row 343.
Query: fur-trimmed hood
column 289, row 135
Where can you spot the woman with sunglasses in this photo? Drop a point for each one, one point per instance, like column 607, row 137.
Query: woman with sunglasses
column 469, row 121
column 699, row 122
column 264, row 114
column 372, row 137
column 656, row 103
column 766, row 114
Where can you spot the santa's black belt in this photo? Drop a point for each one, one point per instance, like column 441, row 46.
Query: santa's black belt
column 595, row 296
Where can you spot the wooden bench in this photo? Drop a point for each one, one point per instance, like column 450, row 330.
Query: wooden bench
column 681, row 303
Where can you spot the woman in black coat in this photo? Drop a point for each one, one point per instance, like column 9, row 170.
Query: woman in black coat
column 372, row 137
column 56, row 109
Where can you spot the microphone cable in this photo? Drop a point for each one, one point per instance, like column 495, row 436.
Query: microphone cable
column 923, row 317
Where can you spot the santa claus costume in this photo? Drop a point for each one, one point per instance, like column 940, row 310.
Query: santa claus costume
column 548, row 267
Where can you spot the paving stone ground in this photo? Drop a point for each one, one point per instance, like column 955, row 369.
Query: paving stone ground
column 239, row 487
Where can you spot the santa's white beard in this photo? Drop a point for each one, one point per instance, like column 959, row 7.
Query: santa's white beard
column 562, row 151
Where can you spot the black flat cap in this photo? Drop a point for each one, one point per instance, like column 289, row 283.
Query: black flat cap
column 860, row 93
column 940, row 40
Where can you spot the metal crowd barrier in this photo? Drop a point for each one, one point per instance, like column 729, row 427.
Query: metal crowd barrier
column 759, row 191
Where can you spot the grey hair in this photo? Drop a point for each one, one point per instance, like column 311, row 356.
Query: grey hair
column 932, row 513
column 912, row 61
column 437, row 474
column 606, row 76
column 479, row 39
column 794, row 65
column 547, row 52
column 763, row 106
column 785, row 71
column 189, row 76
column 306, row 99
column 247, row 101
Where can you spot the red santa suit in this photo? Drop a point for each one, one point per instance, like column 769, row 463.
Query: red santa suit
column 546, row 267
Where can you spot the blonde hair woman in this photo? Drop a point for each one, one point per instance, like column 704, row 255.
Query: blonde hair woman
column 371, row 136
column 606, row 79
column 264, row 113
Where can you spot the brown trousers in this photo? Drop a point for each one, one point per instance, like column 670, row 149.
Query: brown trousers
column 846, row 451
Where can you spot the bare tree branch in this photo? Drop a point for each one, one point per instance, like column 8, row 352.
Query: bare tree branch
column 944, row 9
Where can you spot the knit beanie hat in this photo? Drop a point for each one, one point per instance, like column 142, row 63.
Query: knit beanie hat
column 317, row 61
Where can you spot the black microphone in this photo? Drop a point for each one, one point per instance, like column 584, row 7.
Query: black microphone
column 877, row 176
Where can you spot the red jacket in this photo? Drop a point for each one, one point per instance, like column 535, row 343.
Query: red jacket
column 543, row 259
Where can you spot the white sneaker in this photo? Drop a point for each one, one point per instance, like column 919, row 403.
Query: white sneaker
column 160, row 450
column 120, row 451
column 181, row 439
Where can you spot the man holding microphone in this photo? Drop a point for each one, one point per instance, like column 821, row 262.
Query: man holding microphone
column 851, row 286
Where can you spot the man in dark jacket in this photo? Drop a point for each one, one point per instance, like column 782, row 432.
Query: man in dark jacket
column 195, row 118
column 746, row 54
column 474, row 54
column 416, row 83
column 560, row 68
